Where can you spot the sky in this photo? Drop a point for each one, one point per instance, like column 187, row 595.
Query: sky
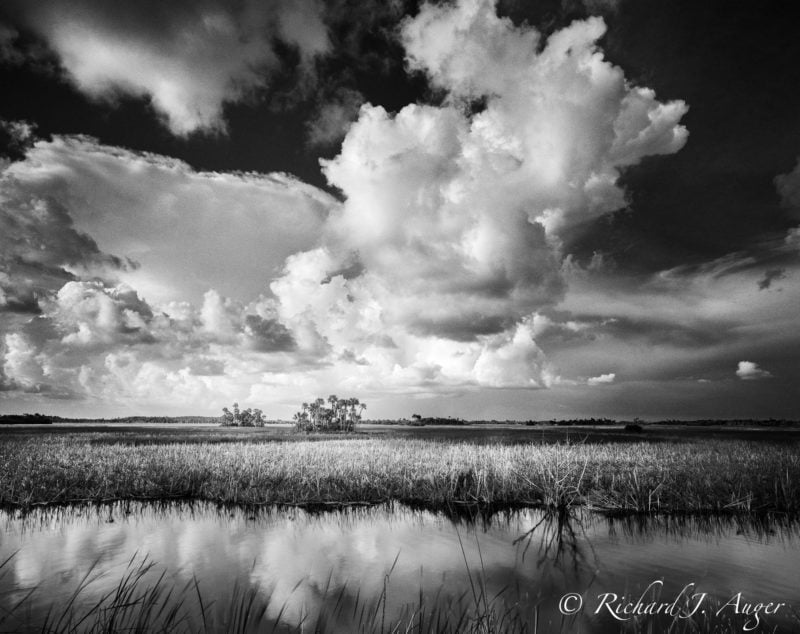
column 483, row 209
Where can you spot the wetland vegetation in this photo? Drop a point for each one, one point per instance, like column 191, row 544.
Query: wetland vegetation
column 664, row 473
column 630, row 474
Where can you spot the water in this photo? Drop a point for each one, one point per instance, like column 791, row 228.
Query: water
column 385, row 562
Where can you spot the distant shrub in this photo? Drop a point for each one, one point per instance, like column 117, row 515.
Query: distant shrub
column 246, row 418
column 635, row 428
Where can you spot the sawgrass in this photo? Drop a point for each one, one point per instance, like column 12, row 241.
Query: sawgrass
column 697, row 476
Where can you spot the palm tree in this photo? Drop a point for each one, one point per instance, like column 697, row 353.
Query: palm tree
column 334, row 401
column 318, row 404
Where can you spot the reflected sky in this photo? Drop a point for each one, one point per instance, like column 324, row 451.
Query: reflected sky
column 300, row 560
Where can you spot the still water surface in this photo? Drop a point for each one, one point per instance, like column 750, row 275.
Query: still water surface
column 304, row 562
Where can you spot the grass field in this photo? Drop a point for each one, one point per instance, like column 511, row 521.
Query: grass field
column 659, row 472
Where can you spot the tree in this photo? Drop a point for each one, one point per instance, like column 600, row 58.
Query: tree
column 246, row 418
column 342, row 414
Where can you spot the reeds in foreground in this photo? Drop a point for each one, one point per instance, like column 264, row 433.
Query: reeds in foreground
column 144, row 600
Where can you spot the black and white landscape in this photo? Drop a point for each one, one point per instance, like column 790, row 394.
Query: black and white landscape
column 578, row 217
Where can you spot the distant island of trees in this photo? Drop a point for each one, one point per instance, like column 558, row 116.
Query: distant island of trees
column 26, row 419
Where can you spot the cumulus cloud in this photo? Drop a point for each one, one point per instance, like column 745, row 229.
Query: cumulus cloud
column 603, row 379
column 436, row 275
column 188, row 59
column 104, row 327
column 456, row 219
column 749, row 371
column 96, row 341
column 189, row 231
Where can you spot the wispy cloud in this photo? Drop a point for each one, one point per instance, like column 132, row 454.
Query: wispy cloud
column 188, row 60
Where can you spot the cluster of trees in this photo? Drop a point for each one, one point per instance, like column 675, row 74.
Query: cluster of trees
column 418, row 420
column 25, row 419
column 342, row 415
column 246, row 418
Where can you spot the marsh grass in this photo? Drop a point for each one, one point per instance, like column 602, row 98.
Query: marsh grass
column 698, row 476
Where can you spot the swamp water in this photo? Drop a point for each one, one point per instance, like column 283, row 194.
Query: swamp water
column 370, row 569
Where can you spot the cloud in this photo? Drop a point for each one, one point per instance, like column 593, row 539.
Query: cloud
column 20, row 362
column 603, row 379
column 788, row 186
column 749, row 371
column 334, row 117
column 770, row 276
column 455, row 216
column 189, row 231
column 8, row 51
column 40, row 247
column 189, row 59
column 437, row 275
column 15, row 138
column 682, row 324
column 80, row 322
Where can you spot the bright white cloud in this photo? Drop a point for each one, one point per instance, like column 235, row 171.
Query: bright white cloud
column 189, row 231
column 449, row 239
column 602, row 379
column 20, row 362
column 110, row 330
column 433, row 277
column 749, row 371
column 188, row 60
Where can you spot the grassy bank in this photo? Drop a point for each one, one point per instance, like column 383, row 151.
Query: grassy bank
column 699, row 476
